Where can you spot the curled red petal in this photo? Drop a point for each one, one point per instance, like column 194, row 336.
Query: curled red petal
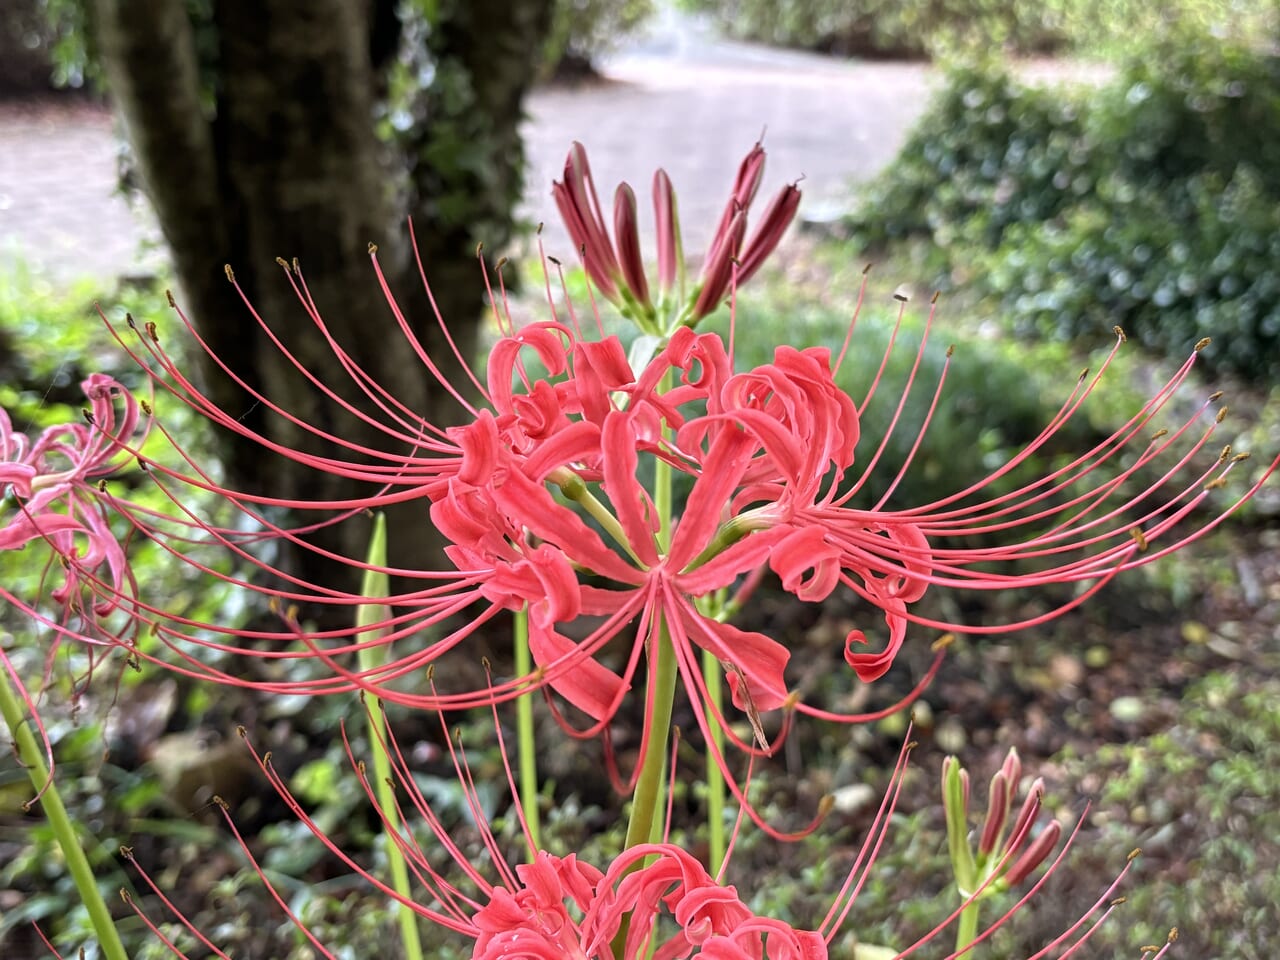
column 873, row 666
column 758, row 660
column 806, row 551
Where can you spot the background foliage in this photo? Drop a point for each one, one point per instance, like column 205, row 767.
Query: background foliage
column 928, row 27
column 1152, row 203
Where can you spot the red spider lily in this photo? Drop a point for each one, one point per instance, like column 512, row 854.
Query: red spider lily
column 53, row 486
column 768, row 452
column 556, row 906
column 51, row 494
column 541, row 499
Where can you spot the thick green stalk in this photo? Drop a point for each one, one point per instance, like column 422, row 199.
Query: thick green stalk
column 32, row 757
column 525, row 741
column 377, row 584
column 645, row 825
column 715, row 776
column 967, row 929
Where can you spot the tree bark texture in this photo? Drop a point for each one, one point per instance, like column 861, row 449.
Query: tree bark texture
column 266, row 148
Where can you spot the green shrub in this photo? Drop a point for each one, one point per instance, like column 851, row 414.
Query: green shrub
column 887, row 27
column 926, row 27
column 1169, row 269
column 581, row 30
column 988, row 153
column 1154, row 204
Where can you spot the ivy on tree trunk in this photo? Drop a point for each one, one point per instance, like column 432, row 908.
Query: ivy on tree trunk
column 253, row 125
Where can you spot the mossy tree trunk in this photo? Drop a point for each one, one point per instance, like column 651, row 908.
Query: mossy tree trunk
column 253, row 128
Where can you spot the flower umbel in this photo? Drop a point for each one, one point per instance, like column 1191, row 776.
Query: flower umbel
column 620, row 277
column 653, row 900
column 53, row 494
column 545, row 497
column 54, row 491
column 623, row 498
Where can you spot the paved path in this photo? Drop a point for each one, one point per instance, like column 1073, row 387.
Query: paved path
column 695, row 106
column 59, row 205
column 678, row 98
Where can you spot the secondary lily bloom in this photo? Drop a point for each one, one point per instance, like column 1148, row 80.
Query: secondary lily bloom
column 51, row 488
column 556, row 906
column 50, row 497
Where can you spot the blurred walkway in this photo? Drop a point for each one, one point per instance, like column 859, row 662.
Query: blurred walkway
column 687, row 101
column 677, row 97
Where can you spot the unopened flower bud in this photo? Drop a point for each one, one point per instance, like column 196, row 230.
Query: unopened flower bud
column 1034, row 855
column 955, row 804
column 1012, row 769
column 579, row 207
column 745, row 186
column 626, row 229
column 667, row 224
column 998, row 804
column 777, row 217
column 1030, row 808
column 717, row 272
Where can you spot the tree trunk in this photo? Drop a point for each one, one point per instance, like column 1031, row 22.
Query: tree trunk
column 284, row 162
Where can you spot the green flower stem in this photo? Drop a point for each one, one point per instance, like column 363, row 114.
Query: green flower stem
column 32, row 757
column 573, row 487
column 728, row 534
column 645, row 825
column 711, row 671
column 525, row 736
column 373, row 584
column 967, row 929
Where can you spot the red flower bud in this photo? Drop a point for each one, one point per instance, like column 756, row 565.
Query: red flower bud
column 1035, row 854
column 670, row 254
column 1030, row 807
column 745, row 186
column 717, row 272
column 997, row 813
column 778, row 216
column 579, row 207
column 626, row 229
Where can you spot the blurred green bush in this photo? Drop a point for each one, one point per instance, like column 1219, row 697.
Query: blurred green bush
column 1153, row 202
column 893, row 28
column 582, row 30
column 897, row 28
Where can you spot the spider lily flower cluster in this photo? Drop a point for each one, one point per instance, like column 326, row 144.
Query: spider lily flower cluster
column 1010, row 861
column 557, row 497
column 651, row 900
column 53, row 495
column 617, row 269
column 55, row 492
column 542, row 497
